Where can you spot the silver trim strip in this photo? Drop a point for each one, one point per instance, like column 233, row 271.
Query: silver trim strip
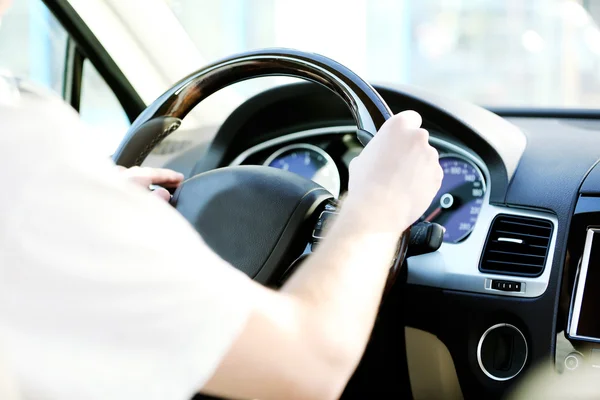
column 453, row 266
column 291, row 137
column 345, row 129
column 485, row 371
column 456, row 266
column 581, row 281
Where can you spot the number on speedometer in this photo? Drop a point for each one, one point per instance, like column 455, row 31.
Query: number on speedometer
column 458, row 202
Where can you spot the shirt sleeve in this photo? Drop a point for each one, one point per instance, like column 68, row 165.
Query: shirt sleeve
column 106, row 292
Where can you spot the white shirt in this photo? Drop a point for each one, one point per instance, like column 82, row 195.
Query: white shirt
column 106, row 292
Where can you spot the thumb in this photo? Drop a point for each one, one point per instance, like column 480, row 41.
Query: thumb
column 162, row 193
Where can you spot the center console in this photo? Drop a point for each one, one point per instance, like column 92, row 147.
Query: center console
column 584, row 315
column 578, row 341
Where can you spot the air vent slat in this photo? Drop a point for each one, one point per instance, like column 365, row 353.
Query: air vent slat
column 536, row 246
column 540, row 247
column 516, row 253
column 521, row 234
column 522, row 250
column 513, row 263
column 524, row 224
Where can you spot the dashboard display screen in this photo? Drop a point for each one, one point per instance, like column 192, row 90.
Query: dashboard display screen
column 585, row 309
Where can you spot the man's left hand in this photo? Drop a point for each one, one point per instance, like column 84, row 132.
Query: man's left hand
column 145, row 176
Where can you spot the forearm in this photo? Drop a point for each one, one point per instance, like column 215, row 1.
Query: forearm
column 342, row 282
column 310, row 335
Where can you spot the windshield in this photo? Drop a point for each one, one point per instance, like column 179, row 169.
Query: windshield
column 511, row 53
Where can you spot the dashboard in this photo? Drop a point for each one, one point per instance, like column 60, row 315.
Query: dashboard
column 320, row 155
column 518, row 196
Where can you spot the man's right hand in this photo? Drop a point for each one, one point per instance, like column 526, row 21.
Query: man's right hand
column 309, row 336
column 397, row 173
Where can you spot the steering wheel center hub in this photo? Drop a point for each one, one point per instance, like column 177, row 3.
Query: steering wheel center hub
column 239, row 219
column 250, row 215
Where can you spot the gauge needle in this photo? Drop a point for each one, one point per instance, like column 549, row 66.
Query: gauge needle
column 433, row 214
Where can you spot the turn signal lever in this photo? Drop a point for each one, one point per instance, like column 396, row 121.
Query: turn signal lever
column 425, row 237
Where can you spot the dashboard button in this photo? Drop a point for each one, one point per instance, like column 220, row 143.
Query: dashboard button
column 321, row 225
column 573, row 361
column 517, row 286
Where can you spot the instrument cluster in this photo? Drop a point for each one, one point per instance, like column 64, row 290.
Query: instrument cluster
column 325, row 160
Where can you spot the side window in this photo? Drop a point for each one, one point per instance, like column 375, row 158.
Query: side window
column 33, row 44
column 101, row 110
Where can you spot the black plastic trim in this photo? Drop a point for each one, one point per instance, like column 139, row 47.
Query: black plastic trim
column 73, row 74
column 515, row 274
column 458, row 127
column 92, row 49
column 575, row 113
column 302, row 106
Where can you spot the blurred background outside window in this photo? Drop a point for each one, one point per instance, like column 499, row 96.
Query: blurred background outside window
column 516, row 53
column 33, row 45
column 501, row 53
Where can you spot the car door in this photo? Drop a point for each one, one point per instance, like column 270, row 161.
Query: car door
column 46, row 42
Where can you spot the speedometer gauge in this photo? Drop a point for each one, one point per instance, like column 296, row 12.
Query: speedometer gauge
column 308, row 161
column 458, row 202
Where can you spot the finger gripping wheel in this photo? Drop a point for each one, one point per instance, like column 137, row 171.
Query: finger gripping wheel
column 164, row 115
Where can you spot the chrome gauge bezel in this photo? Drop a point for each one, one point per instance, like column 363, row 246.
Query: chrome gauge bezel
column 337, row 182
column 455, row 266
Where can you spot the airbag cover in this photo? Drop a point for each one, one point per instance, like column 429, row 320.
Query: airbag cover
column 242, row 212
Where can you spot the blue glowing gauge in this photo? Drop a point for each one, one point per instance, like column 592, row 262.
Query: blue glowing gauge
column 308, row 161
column 458, row 202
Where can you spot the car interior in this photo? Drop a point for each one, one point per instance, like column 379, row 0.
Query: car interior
column 469, row 310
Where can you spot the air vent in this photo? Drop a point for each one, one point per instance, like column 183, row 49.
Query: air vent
column 516, row 246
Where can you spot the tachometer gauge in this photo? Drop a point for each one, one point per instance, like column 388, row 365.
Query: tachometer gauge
column 458, row 202
column 310, row 162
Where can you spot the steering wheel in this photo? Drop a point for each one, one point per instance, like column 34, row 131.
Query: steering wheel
column 257, row 218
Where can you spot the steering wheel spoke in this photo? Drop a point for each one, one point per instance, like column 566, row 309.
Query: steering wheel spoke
column 254, row 218
column 425, row 237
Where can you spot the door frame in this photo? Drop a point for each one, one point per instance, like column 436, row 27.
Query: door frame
column 82, row 45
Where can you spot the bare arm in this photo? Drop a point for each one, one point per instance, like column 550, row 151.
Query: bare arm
column 101, row 289
column 305, row 341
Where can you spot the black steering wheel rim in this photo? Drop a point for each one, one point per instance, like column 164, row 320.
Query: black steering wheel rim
column 368, row 109
column 164, row 116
